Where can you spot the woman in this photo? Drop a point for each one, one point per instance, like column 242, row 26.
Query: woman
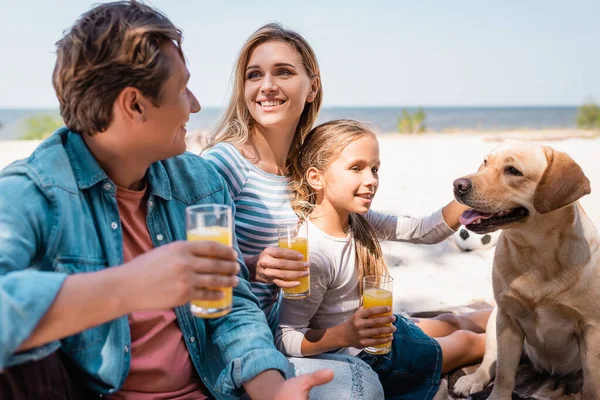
column 275, row 100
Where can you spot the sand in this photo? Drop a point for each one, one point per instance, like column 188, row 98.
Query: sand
column 416, row 179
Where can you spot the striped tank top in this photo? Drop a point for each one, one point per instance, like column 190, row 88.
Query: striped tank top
column 261, row 200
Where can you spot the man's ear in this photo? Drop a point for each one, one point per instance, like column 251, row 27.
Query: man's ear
column 133, row 104
column 563, row 183
column 315, row 83
column 314, row 178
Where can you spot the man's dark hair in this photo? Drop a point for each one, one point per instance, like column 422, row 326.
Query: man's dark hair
column 111, row 47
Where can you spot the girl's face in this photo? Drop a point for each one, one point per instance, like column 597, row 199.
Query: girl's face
column 351, row 181
column 277, row 86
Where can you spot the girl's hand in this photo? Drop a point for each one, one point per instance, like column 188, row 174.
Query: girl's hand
column 452, row 212
column 279, row 266
column 367, row 327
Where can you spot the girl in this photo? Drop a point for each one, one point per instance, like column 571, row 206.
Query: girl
column 276, row 97
column 334, row 180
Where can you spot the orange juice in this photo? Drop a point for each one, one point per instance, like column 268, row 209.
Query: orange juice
column 375, row 297
column 221, row 235
column 301, row 246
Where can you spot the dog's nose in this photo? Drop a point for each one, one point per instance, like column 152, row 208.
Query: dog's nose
column 462, row 186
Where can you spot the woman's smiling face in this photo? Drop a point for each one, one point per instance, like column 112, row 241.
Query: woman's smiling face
column 277, row 86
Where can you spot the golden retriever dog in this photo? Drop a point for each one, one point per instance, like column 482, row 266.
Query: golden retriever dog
column 546, row 274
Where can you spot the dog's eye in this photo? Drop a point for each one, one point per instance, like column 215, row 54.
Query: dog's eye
column 485, row 163
column 513, row 171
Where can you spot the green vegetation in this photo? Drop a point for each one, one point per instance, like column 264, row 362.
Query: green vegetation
column 41, row 126
column 588, row 116
column 412, row 123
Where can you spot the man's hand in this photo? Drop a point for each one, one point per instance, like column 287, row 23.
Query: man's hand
column 368, row 327
column 176, row 273
column 298, row 388
column 279, row 266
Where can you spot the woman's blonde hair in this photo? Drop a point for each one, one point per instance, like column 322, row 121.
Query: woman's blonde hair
column 320, row 148
column 236, row 123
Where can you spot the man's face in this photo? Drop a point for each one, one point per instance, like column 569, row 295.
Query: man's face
column 161, row 133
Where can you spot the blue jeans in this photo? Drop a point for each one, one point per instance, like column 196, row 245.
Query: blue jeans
column 353, row 380
column 412, row 370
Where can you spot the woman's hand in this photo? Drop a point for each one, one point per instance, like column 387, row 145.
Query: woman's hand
column 368, row 327
column 282, row 267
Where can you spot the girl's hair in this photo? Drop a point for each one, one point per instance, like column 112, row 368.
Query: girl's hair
column 235, row 126
column 321, row 147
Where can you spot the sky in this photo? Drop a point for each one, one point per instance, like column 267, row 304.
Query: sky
column 371, row 53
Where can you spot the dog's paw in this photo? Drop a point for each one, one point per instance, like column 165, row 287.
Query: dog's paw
column 469, row 384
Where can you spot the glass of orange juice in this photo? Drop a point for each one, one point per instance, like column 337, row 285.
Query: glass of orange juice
column 294, row 235
column 377, row 291
column 212, row 222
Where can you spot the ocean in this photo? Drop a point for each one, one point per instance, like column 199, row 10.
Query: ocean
column 384, row 119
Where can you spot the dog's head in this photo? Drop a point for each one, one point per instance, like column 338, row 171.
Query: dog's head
column 518, row 180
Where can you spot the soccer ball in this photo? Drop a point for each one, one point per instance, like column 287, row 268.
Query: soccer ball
column 469, row 241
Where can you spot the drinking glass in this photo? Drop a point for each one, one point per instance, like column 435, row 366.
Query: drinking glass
column 212, row 222
column 377, row 291
column 294, row 235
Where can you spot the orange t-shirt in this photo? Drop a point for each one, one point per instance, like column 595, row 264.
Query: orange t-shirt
column 161, row 367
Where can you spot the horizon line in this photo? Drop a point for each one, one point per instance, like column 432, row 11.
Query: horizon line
column 363, row 106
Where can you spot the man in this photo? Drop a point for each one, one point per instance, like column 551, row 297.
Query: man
column 95, row 275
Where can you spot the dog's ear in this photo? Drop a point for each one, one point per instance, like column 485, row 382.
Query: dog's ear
column 563, row 183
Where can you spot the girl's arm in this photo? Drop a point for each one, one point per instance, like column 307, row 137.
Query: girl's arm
column 295, row 315
column 422, row 230
column 359, row 331
column 452, row 212
column 294, row 338
column 318, row 341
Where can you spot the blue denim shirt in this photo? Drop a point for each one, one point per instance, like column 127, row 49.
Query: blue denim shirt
column 59, row 216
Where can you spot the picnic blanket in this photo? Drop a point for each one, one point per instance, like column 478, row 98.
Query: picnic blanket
column 530, row 385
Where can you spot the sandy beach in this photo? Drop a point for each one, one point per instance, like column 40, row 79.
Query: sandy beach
column 416, row 179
